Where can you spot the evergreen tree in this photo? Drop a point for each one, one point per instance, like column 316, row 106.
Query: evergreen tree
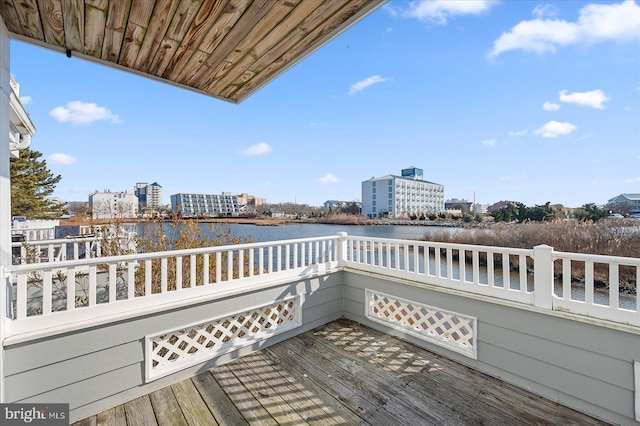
column 31, row 184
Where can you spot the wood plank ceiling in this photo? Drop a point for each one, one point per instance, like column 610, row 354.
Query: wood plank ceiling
column 227, row 49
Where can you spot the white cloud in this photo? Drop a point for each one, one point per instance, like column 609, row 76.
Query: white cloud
column 553, row 129
column 489, row 142
column 78, row 112
column 439, row 11
column 597, row 23
column 593, row 99
column 545, row 10
column 518, row 133
column 259, row 149
column 363, row 84
column 25, row 100
column 327, row 179
column 61, row 159
column 550, row 106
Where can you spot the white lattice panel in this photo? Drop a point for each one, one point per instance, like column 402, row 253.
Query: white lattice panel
column 177, row 349
column 444, row 328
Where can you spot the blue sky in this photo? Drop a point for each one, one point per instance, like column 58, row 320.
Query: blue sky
column 512, row 100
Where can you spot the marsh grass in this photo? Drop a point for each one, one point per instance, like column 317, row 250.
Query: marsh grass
column 608, row 237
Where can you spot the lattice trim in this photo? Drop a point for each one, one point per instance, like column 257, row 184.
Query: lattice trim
column 177, row 349
column 448, row 329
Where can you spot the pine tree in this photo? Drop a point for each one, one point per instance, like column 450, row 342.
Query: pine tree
column 31, row 184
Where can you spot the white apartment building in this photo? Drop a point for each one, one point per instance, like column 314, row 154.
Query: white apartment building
column 401, row 196
column 207, row 205
column 108, row 205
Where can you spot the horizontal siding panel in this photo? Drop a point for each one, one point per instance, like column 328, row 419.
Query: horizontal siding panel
column 581, row 387
column 594, row 365
column 49, row 377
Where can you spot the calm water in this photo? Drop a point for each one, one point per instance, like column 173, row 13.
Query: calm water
column 293, row 231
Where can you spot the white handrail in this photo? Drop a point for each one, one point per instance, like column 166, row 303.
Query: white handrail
column 538, row 277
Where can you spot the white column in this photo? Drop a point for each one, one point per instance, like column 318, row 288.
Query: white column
column 543, row 276
column 5, row 191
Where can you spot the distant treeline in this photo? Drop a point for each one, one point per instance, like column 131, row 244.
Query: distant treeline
column 519, row 212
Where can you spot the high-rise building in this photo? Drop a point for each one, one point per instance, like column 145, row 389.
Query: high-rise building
column 401, row 196
column 149, row 196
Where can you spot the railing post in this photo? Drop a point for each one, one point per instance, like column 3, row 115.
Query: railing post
column 342, row 249
column 543, row 276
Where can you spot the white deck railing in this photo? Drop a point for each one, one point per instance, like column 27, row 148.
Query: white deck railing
column 48, row 294
column 56, row 250
column 55, row 293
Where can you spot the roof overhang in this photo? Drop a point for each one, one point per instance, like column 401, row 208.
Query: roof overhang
column 227, row 49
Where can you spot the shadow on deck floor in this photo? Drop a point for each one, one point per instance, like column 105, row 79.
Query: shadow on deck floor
column 341, row 373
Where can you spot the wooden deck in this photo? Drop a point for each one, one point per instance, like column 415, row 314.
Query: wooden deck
column 341, row 373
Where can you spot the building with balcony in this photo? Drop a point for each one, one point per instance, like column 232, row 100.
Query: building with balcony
column 401, row 196
column 207, row 205
column 109, row 205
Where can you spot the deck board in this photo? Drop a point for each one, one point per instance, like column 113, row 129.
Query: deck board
column 342, row 373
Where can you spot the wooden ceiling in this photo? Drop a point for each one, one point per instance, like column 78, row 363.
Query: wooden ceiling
column 227, row 49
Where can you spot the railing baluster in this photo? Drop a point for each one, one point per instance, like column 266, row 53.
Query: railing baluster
column 163, row 275
column 251, row 261
column 21, row 297
column 147, row 277
column 287, row 254
column 588, row 282
column 193, row 265
column 462, row 261
column 566, row 279
column 614, row 285
column 476, row 266
column 449, row 263
column 296, row 248
column 71, row 289
column 93, row 283
column 46, row 292
column 506, row 272
column 113, row 282
column 131, row 280
column 229, row 265
column 240, row 263
column 178, row 272
column 278, row 266
column 491, row 280
column 270, row 259
column 205, row 269
column 218, row 267
column 523, row 272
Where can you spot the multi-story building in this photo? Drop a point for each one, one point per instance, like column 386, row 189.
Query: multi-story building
column 631, row 200
column 401, row 196
column 107, row 204
column 207, row 205
column 252, row 203
column 149, row 196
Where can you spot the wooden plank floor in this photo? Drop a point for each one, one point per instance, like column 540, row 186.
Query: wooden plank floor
column 341, row 373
